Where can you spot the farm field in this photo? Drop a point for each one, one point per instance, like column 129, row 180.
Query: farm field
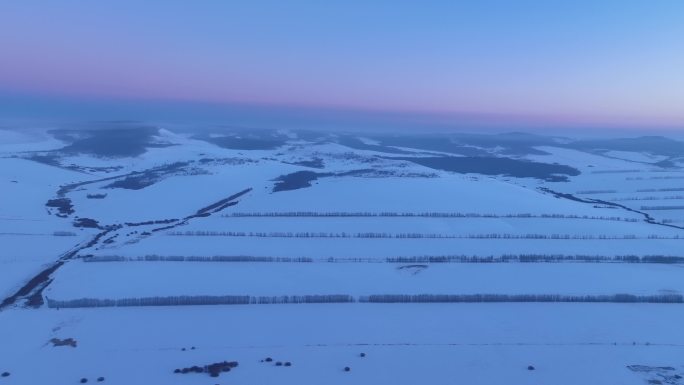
column 104, row 280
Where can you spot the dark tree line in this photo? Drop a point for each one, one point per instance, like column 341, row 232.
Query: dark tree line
column 277, row 234
column 378, row 298
column 505, row 258
column 344, row 214
column 655, row 177
column 283, row 299
column 649, row 198
column 539, row 258
column 661, row 189
column 662, row 207
column 455, row 298
column 151, row 301
column 180, row 258
column 199, row 300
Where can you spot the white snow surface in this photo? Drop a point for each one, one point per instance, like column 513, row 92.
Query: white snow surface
column 567, row 343
column 114, row 280
column 481, row 344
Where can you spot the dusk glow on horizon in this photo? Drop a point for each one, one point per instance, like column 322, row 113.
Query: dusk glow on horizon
column 585, row 63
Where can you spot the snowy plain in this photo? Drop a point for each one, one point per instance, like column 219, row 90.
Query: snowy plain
column 186, row 195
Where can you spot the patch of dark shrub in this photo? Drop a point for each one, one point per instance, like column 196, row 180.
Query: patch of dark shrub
column 86, row 223
column 214, row 370
column 65, row 342
column 63, row 206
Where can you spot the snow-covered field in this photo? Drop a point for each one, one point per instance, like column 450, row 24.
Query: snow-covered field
column 149, row 279
column 484, row 344
column 24, row 256
column 345, row 208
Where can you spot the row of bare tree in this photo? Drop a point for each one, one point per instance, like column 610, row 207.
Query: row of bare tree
column 344, row 298
column 199, row 300
column 336, row 214
column 276, row 234
column 617, row 298
column 505, row 258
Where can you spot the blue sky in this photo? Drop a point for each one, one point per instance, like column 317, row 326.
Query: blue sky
column 543, row 63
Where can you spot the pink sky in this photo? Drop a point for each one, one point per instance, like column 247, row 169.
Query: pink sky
column 609, row 63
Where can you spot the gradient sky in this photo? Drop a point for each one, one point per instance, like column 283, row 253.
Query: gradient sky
column 583, row 62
